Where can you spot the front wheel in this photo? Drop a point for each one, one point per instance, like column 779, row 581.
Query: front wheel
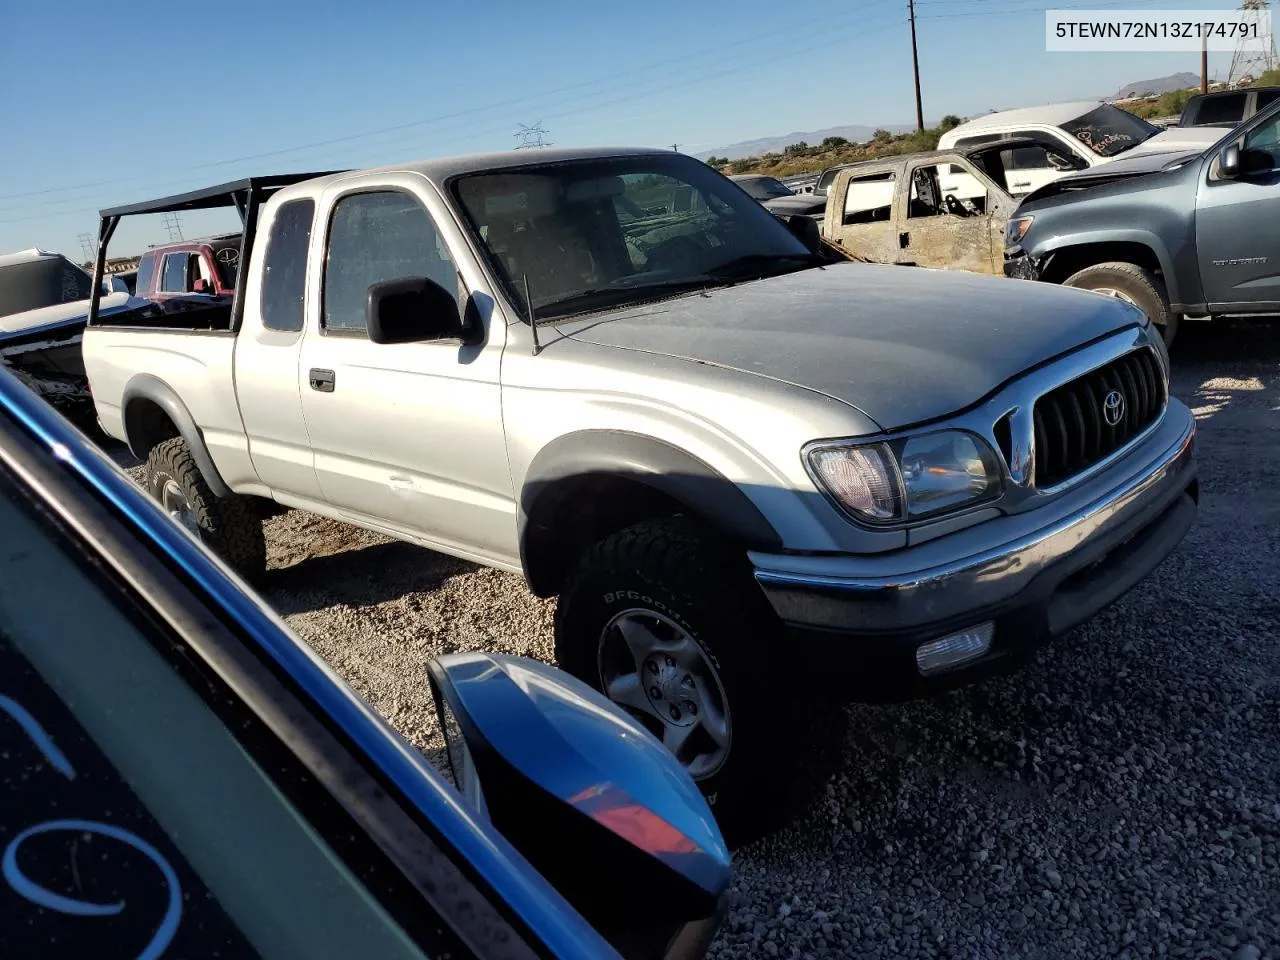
column 1132, row 284
column 669, row 624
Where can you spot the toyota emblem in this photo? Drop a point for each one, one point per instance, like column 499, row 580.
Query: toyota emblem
column 1113, row 407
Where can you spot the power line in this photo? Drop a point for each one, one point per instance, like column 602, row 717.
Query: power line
column 859, row 31
column 805, row 25
column 1036, row 8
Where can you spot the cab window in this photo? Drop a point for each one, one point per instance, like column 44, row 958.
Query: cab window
column 869, row 199
column 375, row 237
column 174, row 277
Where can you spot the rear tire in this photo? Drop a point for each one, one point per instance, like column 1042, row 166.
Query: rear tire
column 230, row 526
column 1134, row 284
column 704, row 631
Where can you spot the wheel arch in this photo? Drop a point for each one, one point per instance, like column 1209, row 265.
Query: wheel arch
column 1136, row 247
column 584, row 486
column 152, row 413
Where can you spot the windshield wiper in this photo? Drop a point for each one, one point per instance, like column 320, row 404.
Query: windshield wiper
column 749, row 265
column 596, row 298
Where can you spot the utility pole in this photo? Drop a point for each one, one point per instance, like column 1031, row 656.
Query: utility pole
column 1204, row 64
column 915, row 62
column 675, row 146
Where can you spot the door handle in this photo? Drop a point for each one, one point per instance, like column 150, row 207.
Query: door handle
column 321, row 380
column 904, row 240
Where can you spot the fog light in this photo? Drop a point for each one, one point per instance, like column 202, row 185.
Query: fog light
column 937, row 656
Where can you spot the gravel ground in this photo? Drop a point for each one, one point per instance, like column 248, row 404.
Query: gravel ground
column 1120, row 797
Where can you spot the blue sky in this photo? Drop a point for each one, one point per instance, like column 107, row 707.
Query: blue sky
column 103, row 103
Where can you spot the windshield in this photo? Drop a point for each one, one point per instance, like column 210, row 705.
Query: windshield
column 1109, row 130
column 765, row 188
column 41, row 283
column 610, row 232
column 145, row 810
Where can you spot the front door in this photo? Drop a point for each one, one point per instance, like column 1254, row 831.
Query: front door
column 951, row 230
column 407, row 437
column 1237, row 240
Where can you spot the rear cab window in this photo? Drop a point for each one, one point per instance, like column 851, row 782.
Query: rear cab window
column 146, row 274
column 1225, row 109
column 869, row 199
column 284, row 266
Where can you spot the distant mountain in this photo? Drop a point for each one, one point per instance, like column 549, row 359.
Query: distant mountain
column 1150, row 88
column 855, row 133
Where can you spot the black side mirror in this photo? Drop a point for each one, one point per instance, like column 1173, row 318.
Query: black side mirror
column 589, row 797
column 805, row 229
column 1229, row 162
column 410, row 310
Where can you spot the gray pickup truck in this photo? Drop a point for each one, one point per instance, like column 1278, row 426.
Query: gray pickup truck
column 749, row 470
column 1182, row 234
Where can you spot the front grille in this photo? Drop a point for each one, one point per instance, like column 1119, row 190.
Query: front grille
column 1072, row 422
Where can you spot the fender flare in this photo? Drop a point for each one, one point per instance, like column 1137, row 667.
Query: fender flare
column 1138, row 237
column 144, row 386
column 639, row 458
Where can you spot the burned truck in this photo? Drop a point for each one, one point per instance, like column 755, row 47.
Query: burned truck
column 941, row 208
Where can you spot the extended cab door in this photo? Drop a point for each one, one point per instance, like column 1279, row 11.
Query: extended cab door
column 267, row 354
column 407, row 437
column 1237, row 239
column 859, row 214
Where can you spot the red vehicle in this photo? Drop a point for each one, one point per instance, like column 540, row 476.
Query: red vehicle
column 206, row 267
column 191, row 275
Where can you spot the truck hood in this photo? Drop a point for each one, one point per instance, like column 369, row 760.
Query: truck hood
column 903, row 345
column 1131, row 165
column 804, row 204
column 1179, row 138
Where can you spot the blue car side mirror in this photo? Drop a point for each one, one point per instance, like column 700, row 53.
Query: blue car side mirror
column 589, row 797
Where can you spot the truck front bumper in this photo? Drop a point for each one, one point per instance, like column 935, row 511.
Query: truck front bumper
column 868, row 617
column 1019, row 265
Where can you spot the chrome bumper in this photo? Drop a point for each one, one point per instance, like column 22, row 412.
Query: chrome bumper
column 849, row 594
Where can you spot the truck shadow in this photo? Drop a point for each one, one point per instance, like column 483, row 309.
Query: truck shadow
column 362, row 577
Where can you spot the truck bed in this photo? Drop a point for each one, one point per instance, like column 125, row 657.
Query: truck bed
column 200, row 361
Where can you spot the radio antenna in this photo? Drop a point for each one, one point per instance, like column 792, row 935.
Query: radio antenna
column 533, row 319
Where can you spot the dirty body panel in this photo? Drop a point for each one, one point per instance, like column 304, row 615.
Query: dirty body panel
column 895, row 211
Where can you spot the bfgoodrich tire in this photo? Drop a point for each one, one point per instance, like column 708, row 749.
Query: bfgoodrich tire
column 1133, row 283
column 230, row 526
column 670, row 625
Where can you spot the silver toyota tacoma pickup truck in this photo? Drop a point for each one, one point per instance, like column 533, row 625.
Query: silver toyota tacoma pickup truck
column 741, row 463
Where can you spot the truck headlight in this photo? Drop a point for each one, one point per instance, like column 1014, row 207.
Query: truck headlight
column 1016, row 229
column 943, row 471
column 908, row 479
